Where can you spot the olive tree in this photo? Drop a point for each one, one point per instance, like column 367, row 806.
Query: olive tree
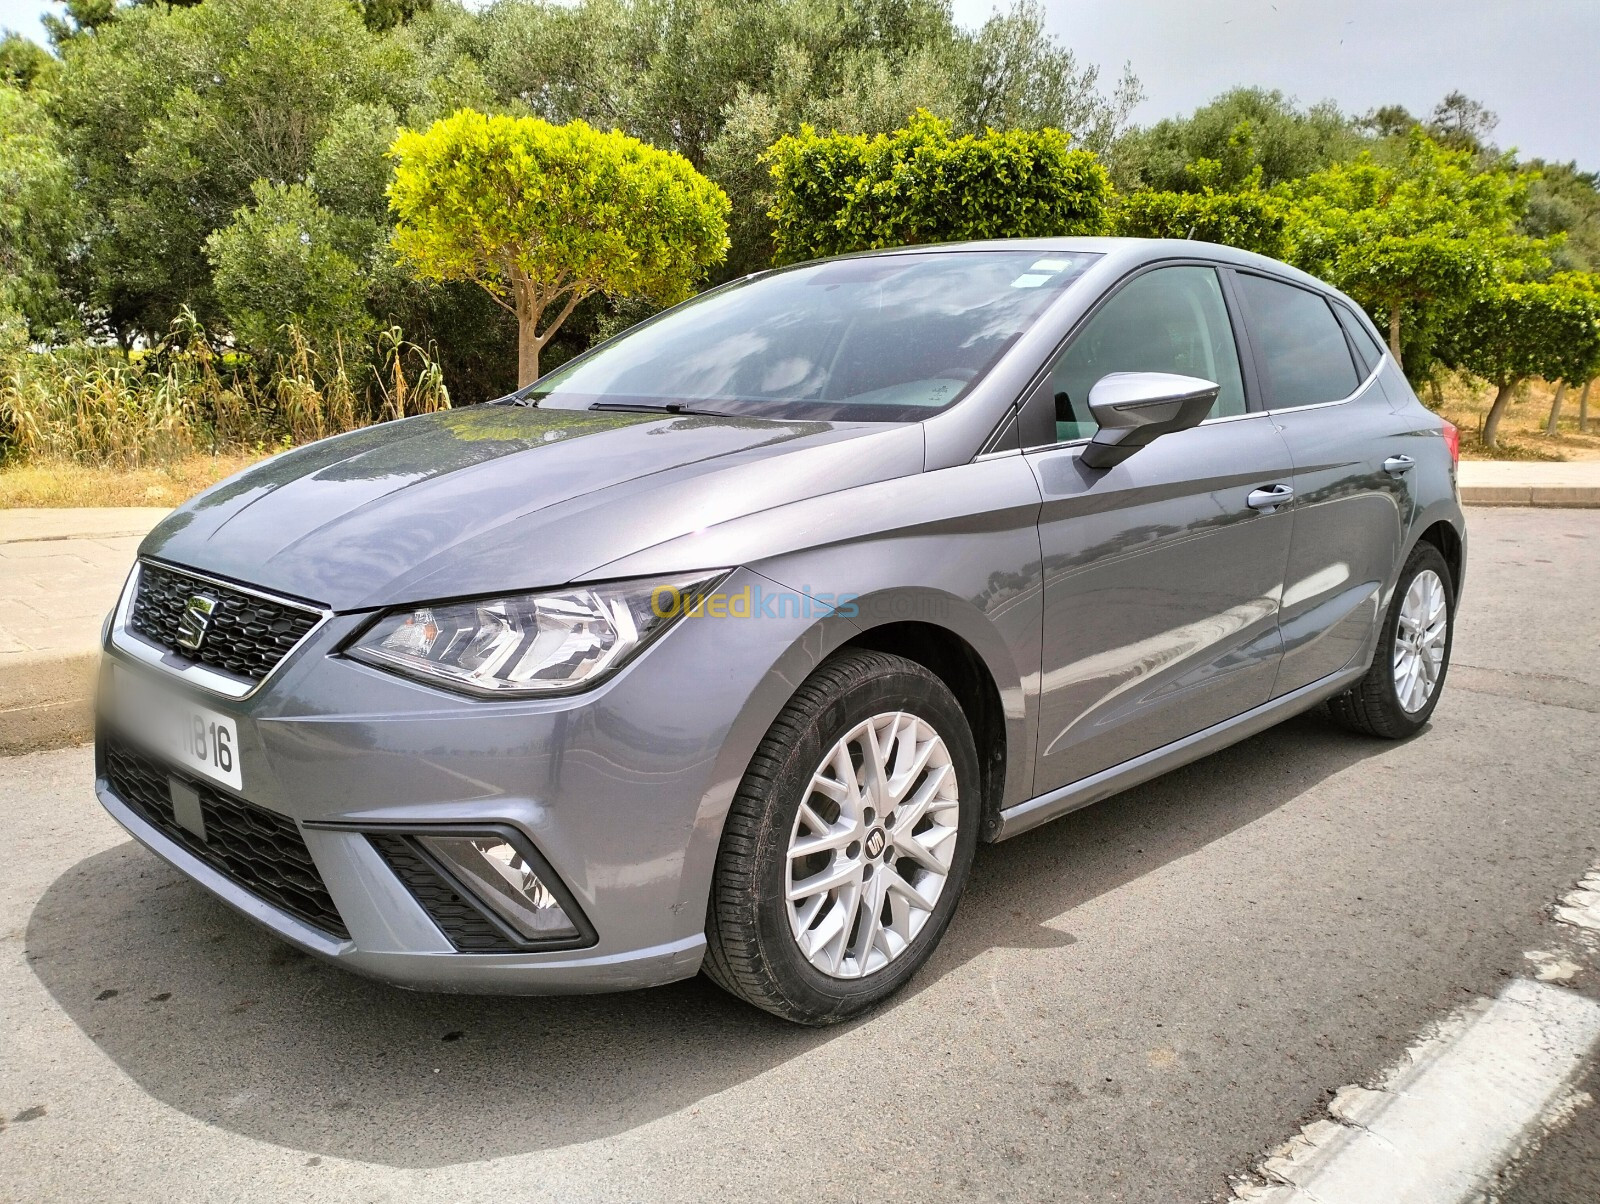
column 171, row 114
column 541, row 216
column 286, row 260
column 1512, row 332
column 39, row 212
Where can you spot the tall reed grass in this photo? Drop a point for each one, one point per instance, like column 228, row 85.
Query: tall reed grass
column 97, row 406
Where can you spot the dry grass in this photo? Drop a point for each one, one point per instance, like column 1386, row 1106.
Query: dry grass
column 1522, row 434
column 64, row 483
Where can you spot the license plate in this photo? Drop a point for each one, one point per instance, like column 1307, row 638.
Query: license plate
column 193, row 737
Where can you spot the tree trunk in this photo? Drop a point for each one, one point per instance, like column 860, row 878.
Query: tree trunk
column 531, row 306
column 1438, row 391
column 1491, row 424
column 528, row 346
column 1394, row 335
column 1555, row 409
column 1583, row 408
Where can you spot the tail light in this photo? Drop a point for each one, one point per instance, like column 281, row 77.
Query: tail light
column 1452, row 440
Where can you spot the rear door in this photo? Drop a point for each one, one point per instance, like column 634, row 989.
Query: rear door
column 1160, row 580
column 1351, row 501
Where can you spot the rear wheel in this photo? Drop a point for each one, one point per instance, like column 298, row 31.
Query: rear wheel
column 1399, row 692
column 848, row 844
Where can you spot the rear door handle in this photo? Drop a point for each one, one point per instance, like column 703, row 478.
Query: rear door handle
column 1269, row 497
column 1398, row 465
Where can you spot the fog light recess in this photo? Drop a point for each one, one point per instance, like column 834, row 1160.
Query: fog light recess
column 504, row 879
column 485, row 886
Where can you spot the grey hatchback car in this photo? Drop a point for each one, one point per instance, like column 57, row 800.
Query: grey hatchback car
column 723, row 645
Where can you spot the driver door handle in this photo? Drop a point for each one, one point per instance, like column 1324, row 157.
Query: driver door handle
column 1269, row 497
column 1398, row 465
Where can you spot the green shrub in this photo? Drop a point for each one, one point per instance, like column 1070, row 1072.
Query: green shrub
column 919, row 185
column 1248, row 220
column 287, row 262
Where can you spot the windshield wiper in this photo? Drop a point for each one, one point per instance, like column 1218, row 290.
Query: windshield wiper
column 671, row 407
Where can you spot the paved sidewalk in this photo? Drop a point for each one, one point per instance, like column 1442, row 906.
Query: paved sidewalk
column 60, row 571
column 1574, row 483
column 59, row 574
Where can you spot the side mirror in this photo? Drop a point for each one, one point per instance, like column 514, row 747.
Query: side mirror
column 1134, row 408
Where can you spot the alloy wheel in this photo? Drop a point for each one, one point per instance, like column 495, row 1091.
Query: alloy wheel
column 1419, row 641
column 872, row 844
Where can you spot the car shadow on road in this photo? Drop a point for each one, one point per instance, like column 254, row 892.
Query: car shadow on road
column 213, row 1016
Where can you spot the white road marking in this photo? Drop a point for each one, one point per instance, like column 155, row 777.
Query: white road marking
column 1581, row 908
column 1553, row 966
column 1456, row 1110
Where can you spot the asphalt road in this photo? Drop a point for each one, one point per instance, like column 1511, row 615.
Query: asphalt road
column 1133, row 1002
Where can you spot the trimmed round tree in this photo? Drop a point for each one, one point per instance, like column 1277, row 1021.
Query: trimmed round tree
column 1411, row 242
column 1515, row 331
column 542, row 216
column 847, row 192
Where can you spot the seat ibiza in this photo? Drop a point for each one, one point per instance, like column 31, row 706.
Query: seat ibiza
column 722, row 646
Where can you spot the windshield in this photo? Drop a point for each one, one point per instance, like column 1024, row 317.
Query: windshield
column 888, row 337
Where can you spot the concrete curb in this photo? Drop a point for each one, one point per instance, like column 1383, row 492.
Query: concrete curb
column 1568, row 497
column 46, row 700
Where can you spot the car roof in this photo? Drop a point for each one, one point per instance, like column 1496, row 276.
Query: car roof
column 1127, row 253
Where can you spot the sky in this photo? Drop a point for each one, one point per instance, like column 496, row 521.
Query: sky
column 1530, row 61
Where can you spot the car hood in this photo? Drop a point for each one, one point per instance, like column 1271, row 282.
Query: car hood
column 503, row 498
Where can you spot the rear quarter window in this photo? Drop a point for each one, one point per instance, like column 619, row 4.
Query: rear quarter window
column 1300, row 346
column 1368, row 351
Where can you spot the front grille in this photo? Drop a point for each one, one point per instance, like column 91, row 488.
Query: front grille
column 466, row 927
column 247, row 635
column 260, row 850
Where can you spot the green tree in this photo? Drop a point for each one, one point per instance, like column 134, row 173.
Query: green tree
column 285, row 259
column 39, row 213
column 719, row 81
column 171, row 115
column 1565, row 201
column 1412, row 243
column 1583, row 369
column 920, row 184
column 1461, row 123
column 386, row 14
column 1242, row 130
column 1511, row 332
column 25, row 64
column 1014, row 75
column 541, row 216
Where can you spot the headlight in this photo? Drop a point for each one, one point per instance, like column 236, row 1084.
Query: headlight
column 529, row 644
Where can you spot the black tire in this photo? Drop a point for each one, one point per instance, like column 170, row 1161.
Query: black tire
column 1373, row 704
column 750, row 950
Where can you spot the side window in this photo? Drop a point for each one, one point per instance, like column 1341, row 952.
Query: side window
column 1304, row 358
column 1367, row 349
column 1168, row 320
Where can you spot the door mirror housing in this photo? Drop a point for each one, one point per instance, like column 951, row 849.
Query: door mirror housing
column 1133, row 408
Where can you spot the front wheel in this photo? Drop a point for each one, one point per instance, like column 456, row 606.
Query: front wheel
column 848, row 844
column 1399, row 692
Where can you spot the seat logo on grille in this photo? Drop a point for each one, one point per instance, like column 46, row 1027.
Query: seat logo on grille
column 194, row 621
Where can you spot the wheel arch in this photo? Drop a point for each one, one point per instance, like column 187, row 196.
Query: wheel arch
column 957, row 663
column 1452, row 545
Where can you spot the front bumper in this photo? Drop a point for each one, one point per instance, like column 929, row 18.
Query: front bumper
column 621, row 790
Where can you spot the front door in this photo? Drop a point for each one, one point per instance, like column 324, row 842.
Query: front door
column 1161, row 580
